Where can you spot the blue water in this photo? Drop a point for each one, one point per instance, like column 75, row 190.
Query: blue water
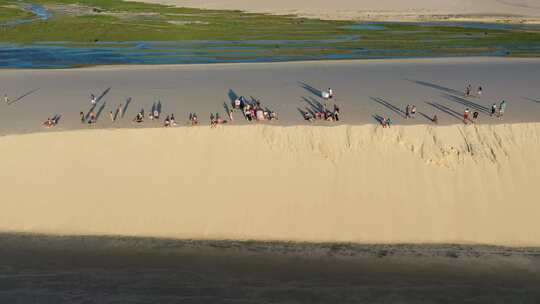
column 365, row 26
column 63, row 54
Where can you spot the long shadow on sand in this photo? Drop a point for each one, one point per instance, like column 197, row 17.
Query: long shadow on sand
column 315, row 105
column 388, row 105
column 310, row 89
column 467, row 103
column 22, row 96
column 531, row 99
column 103, row 94
column 445, row 110
column 232, row 95
column 100, row 110
column 436, row 86
column 378, row 118
column 124, row 110
column 426, row 116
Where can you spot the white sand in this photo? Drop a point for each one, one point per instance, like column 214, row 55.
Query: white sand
column 487, row 10
column 474, row 184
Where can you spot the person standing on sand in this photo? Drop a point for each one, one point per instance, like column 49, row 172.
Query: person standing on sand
column 92, row 119
column 118, row 111
column 479, row 92
column 83, row 120
column 502, row 108
column 408, row 111
column 231, row 115
column 493, row 109
column 413, row 111
column 466, row 115
column 111, row 115
column 93, row 99
column 336, row 112
column 6, row 99
column 468, row 90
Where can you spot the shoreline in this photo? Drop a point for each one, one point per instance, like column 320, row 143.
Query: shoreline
column 369, row 61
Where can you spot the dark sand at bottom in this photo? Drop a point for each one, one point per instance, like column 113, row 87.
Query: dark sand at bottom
column 50, row 269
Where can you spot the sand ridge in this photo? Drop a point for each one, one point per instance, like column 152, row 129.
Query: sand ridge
column 414, row 184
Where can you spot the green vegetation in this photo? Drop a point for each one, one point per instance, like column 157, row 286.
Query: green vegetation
column 89, row 21
column 11, row 12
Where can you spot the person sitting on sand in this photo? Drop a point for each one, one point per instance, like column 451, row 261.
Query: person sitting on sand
column 167, row 122
column 150, row 116
column 260, row 115
column 193, row 119
column 139, row 118
column 308, row 116
column 49, row 123
column 384, row 123
column 92, row 118
column 273, row 115
column 480, row 90
column 172, row 121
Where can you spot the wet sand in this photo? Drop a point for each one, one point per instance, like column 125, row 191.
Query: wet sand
column 363, row 89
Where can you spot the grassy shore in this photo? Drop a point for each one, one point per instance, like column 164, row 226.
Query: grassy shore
column 90, row 21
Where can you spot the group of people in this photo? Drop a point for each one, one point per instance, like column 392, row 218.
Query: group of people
column 323, row 113
column 498, row 111
column 469, row 91
column 410, row 111
column 252, row 110
column 50, row 122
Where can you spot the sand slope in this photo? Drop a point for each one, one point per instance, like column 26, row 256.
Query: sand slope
column 474, row 184
column 368, row 9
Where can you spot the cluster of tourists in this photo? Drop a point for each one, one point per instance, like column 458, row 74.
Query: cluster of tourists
column 322, row 113
column 469, row 91
column 410, row 111
column 252, row 110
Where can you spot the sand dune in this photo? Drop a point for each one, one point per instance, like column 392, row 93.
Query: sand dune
column 464, row 184
column 373, row 9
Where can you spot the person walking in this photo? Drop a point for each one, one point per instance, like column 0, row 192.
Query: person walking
column 493, row 109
